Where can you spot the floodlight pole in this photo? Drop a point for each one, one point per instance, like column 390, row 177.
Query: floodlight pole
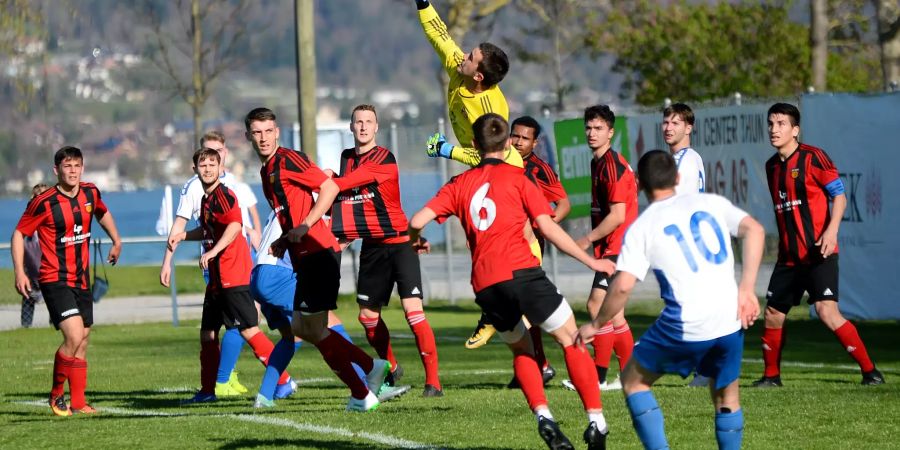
column 305, row 30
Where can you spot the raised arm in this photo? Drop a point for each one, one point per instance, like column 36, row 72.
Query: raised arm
column 436, row 32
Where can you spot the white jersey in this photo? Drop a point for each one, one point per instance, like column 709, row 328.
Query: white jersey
column 692, row 176
column 270, row 233
column 685, row 240
column 192, row 194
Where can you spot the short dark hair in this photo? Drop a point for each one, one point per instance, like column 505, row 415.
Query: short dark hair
column 494, row 64
column 212, row 135
column 657, row 170
column 680, row 110
column 600, row 112
column 364, row 107
column 788, row 110
column 530, row 122
column 206, row 153
column 258, row 115
column 491, row 133
column 67, row 152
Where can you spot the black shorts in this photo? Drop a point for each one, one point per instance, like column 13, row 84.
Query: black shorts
column 382, row 265
column 788, row 283
column 232, row 307
column 529, row 293
column 602, row 280
column 64, row 301
column 318, row 281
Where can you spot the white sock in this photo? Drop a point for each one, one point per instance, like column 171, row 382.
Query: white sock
column 599, row 420
column 543, row 412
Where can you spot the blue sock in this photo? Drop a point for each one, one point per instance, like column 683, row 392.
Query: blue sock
column 647, row 419
column 730, row 429
column 297, row 345
column 232, row 343
column 278, row 361
column 339, row 329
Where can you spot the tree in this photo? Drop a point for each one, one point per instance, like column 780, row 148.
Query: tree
column 206, row 43
column 818, row 41
column 698, row 51
column 23, row 40
column 888, row 20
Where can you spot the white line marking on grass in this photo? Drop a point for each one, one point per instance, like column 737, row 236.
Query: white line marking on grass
column 813, row 365
column 303, row 381
column 390, row 441
column 176, row 390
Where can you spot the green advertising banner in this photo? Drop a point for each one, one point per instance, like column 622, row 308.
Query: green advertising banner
column 574, row 159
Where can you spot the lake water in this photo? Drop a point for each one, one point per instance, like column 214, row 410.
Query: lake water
column 136, row 214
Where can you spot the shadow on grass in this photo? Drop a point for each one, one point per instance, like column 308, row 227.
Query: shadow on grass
column 329, row 444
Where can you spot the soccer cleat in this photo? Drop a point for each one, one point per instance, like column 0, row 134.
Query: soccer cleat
column 285, row 390
column 594, row 439
column 370, row 403
column 552, row 435
column 394, row 376
column 59, row 407
column 389, row 393
column 547, row 374
column 431, row 391
column 86, row 409
column 767, row 382
column 872, row 378
column 262, row 402
column 481, row 335
column 200, row 397
column 235, row 384
column 699, row 381
column 226, row 390
column 375, row 378
column 614, row 386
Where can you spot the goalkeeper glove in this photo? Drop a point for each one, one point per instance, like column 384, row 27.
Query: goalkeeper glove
column 437, row 146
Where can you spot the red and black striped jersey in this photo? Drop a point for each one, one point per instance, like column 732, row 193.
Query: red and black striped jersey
column 230, row 268
column 493, row 200
column 612, row 181
column 801, row 187
column 538, row 171
column 289, row 179
column 63, row 225
column 369, row 206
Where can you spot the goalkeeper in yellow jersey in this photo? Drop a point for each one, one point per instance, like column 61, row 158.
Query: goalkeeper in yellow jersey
column 473, row 91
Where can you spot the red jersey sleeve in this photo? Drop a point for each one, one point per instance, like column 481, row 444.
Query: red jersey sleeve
column 553, row 191
column 535, row 203
column 443, row 202
column 619, row 189
column 32, row 217
column 230, row 212
column 302, row 171
column 822, row 169
column 100, row 208
column 366, row 173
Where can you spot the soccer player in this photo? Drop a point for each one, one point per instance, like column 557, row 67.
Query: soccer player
column 369, row 208
column 678, row 123
column 613, row 208
column 523, row 137
column 32, row 263
column 62, row 218
column 491, row 201
column 683, row 239
column 227, row 383
column 802, row 180
column 227, row 259
column 289, row 179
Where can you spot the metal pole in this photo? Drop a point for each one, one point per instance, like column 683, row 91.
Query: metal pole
column 448, row 235
column 394, row 142
column 306, row 74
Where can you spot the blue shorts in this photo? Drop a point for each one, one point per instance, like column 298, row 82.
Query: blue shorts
column 273, row 287
column 719, row 359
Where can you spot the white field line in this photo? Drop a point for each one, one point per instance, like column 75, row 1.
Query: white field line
column 815, row 365
column 390, row 441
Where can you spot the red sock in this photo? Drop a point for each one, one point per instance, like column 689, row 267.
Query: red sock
column 851, row 341
column 529, row 375
column 209, row 365
column 334, row 351
column 78, row 382
column 379, row 338
column 425, row 343
column 603, row 346
column 262, row 349
column 62, row 365
column 583, row 376
column 772, row 343
column 623, row 344
column 539, row 356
